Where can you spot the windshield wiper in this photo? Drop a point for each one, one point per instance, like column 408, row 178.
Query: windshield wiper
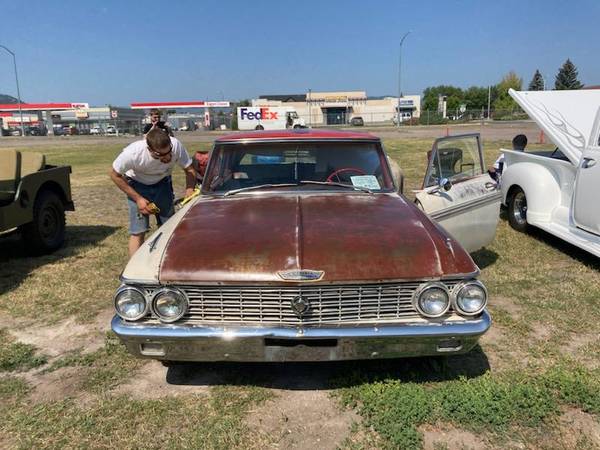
column 333, row 183
column 260, row 186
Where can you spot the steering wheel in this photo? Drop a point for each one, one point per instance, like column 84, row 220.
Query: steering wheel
column 345, row 169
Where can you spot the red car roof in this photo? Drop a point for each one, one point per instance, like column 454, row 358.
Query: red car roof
column 298, row 134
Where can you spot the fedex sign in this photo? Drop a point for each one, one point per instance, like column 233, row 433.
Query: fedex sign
column 267, row 118
column 262, row 113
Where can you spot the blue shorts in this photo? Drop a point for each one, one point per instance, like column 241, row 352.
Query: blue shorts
column 161, row 194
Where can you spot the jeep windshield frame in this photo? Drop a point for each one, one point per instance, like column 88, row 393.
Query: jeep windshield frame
column 242, row 164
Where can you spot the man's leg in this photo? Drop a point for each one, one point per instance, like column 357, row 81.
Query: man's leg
column 139, row 224
column 135, row 242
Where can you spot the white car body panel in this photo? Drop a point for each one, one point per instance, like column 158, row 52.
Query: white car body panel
column 469, row 210
column 562, row 195
column 144, row 265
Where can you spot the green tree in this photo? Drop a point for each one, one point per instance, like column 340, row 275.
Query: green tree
column 504, row 101
column 476, row 97
column 454, row 97
column 537, row 82
column 566, row 78
column 234, row 107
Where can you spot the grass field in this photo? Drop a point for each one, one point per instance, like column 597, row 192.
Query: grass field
column 65, row 382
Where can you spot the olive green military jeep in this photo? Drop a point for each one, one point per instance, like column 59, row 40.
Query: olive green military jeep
column 33, row 199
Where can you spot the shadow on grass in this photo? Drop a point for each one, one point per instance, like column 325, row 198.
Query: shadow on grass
column 16, row 263
column 484, row 257
column 329, row 375
column 570, row 250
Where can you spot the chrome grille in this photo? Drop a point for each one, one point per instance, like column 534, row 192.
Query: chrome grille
column 329, row 305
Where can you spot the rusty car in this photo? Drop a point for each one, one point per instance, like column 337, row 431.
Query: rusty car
column 302, row 247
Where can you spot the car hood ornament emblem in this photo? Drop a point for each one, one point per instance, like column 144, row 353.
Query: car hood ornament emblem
column 300, row 305
column 301, row 275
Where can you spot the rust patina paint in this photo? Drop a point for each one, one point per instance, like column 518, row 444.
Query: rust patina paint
column 351, row 236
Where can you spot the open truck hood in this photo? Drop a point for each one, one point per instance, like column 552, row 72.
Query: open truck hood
column 569, row 118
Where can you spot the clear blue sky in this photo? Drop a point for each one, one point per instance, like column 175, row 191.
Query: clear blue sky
column 120, row 51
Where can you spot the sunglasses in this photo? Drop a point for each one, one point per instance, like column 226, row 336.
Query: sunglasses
column 159, row 154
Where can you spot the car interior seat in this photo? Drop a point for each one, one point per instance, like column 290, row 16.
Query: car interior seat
column 449, row 159
column 10, row 175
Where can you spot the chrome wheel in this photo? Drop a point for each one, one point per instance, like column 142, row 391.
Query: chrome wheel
column 517, row 210
column 520, row 208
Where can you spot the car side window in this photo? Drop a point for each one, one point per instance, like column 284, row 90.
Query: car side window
column 456, row 158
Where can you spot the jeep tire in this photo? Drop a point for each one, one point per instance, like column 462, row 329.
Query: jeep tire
column 46, row 232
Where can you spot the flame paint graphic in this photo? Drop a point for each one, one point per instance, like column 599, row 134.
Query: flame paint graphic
column 572, row 134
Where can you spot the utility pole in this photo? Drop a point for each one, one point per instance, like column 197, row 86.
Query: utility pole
column 489, row 100
column 400, row 77
column 18, row 90
column 309, row 108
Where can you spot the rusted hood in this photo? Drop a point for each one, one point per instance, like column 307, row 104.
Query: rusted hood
column 353, row 237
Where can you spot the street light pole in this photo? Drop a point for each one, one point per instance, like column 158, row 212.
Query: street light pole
column 18, row 90
column 400, row 77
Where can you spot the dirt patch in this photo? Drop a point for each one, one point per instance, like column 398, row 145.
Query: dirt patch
column 150, row 382
column 583, row 347
column 66, row 336
column 57, row 385
column 576, row 430
column 575, row 426
column 501, row 351
column 435, row 437
column 299, row 419
column 507, row 304
column 541, row 332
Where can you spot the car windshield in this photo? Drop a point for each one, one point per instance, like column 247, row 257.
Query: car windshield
column 240, row 165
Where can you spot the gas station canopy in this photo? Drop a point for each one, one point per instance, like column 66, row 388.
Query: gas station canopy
column 42, row 106
column 180, row 105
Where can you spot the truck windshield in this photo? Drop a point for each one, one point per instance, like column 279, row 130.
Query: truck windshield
column 359, row 164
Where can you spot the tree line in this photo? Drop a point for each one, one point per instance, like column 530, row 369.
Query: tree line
column 476, row 97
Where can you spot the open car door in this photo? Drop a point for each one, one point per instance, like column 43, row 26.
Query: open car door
column 458, row 193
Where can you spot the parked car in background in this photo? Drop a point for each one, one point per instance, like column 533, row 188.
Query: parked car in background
column 111, row 129
column 37, row 131
column 302, row 248
column 357, row 121
column 557, row 190
column 97, row 130
column 33, row 199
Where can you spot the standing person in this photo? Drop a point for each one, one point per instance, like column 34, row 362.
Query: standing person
column 155, row 122
column 519, row 143
column 143, row 172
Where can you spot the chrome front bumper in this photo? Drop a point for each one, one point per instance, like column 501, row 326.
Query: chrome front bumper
column 220, row 343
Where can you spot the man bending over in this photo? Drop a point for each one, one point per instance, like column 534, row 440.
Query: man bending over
column 143, row 172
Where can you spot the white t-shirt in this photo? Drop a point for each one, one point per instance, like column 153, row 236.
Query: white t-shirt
column 136, row 162
column 498, row 161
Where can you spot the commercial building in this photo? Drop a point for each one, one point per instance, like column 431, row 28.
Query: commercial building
column 70, row 118
column 124, row 120
column 339, row 108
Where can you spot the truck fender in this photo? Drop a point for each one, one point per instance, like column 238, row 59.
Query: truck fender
column 540, row 185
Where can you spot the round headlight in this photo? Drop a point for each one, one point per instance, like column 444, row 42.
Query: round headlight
column 471, row 298
column 432, row 300
column 130, row 303
column 169, row 304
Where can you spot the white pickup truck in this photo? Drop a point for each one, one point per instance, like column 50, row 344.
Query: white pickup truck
column 558, row 190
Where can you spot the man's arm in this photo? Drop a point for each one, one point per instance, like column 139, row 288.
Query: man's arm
column 122, row 184
column 190, row 180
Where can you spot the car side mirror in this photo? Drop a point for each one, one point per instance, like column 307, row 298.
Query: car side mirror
column 445, row 184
